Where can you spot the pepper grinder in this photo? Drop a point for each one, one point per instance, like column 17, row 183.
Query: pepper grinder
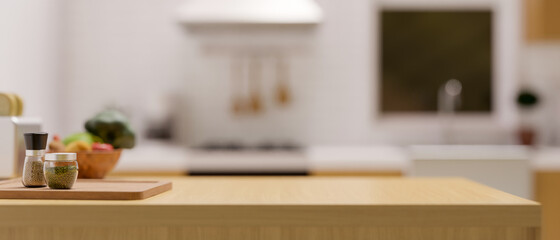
column 35, row 145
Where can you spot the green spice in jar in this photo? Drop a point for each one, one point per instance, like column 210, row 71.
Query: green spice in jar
column 61, row 177
column 61, row 170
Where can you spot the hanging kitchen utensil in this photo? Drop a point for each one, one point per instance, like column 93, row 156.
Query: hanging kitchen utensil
column 255, row 72
column 236, row 72
column 283, row 95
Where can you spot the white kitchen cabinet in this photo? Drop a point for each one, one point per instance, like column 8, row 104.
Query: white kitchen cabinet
column 506, row 168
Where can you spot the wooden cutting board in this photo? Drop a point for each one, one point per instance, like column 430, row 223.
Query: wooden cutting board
column 87, row 189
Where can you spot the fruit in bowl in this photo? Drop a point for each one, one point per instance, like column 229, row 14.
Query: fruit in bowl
column 98, row 150
column 97, row 164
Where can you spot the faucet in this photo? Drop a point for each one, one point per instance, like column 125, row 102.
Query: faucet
column 449, row 100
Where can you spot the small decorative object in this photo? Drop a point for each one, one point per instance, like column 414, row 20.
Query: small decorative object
column 35, row 144
column 10, row 104
column 527, row 101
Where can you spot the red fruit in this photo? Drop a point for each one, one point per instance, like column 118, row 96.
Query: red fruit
column 101, row 147
column 56, row 138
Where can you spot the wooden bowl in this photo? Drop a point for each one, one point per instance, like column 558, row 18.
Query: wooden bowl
column 96, row 164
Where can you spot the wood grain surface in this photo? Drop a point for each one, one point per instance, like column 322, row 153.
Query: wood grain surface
column 286, row 208
column 267, row 233
column 547, row 192
column 542, row 20
column 86, row 189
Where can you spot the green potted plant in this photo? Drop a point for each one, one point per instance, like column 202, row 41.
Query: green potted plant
column 527, row 100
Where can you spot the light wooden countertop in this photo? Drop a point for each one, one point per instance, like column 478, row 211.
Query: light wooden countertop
column 293, row 200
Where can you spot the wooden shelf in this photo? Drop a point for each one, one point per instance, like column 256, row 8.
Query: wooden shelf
column 542, row 20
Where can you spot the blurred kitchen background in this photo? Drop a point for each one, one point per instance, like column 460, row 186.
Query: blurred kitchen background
column 179, row 67
column 293, row 75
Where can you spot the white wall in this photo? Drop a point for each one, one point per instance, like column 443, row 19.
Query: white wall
column 542, row 74
column 29, row 60
column 127, row 51
column 132, row 51
column 330, row 78
column 124, row 53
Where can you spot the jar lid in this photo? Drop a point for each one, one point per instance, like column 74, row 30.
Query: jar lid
column 35, row 140
column 60, row 156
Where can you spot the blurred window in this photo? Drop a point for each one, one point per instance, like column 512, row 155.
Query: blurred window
column 421, row 50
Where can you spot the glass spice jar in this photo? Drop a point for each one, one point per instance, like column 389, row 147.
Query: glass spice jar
column 33, row 169
column 61, row 170
column 35, row 144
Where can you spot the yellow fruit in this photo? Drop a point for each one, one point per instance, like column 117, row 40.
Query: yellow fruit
column 78, row 146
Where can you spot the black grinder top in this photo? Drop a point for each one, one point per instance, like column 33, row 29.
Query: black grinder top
column 36, row 141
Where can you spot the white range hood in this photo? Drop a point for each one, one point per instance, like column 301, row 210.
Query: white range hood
column 250, row 12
